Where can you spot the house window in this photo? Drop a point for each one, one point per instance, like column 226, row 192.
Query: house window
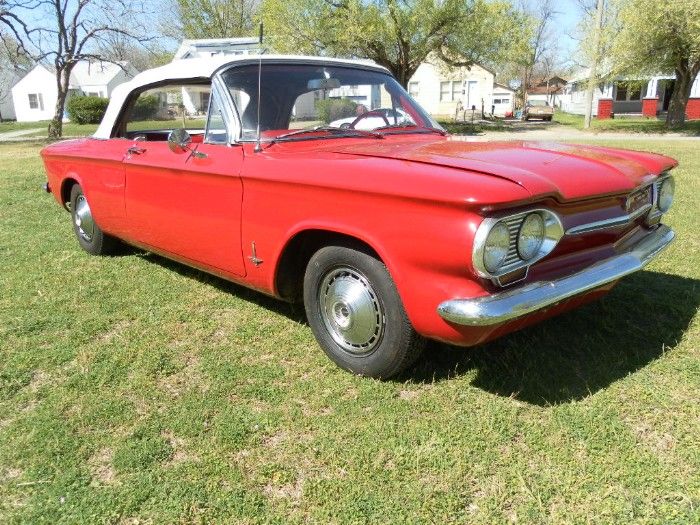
column 635, row 93
column 413, row 89
column 450, row 91
column 629, row 92
column 36, row 101
column 621, row 93
column 456, row 90
column 445, row 93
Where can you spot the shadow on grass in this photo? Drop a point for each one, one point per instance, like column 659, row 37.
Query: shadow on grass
column 295, row 312
column 566, row 358
column 576, row 354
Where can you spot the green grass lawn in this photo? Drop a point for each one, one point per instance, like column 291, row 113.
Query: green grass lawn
column 136, row 390
column 71, row 129
column 627, row 124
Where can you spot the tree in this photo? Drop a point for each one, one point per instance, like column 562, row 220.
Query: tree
column 69, row 31
column 398, row 34
column 540, row 42
column 660, row 37
column 116, row 47
column 215, row 18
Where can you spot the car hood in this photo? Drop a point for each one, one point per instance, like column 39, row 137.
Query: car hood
column 568, row 171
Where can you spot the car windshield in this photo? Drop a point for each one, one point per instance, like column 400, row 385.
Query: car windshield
column 316, row 98
column 540, row 103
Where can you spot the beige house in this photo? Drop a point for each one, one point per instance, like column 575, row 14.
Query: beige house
column 448, row 92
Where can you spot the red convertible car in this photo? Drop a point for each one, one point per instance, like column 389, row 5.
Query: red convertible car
column 389, row 235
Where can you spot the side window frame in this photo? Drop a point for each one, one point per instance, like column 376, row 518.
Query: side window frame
column 215, row 98
column 228, row 111
column 119, row 130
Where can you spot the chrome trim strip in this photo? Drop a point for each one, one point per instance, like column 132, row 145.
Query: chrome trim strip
column 622, row 220
column 504, row 306
column 613, row 222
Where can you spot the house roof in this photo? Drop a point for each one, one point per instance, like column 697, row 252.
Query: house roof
column 201, row 68
column 189, row 46
column 502, row 87
column 544, row 90
column 95, row 73
column 554, row 80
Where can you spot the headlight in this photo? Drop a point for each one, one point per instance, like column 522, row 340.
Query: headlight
column 496, row 247
column 666, row 191
column 531, row 236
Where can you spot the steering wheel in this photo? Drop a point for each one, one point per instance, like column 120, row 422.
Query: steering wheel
column 381, row 113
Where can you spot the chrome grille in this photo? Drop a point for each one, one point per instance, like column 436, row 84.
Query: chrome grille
column 513, row 224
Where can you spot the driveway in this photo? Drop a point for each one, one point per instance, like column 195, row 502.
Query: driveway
column 10, row 135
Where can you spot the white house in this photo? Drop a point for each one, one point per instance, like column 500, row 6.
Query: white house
column 648, row 96
column 209, row 47
column 451, row 91
column 34, row 96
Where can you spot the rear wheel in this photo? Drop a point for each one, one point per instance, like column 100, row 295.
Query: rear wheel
column 357, row 315
column 90, row 237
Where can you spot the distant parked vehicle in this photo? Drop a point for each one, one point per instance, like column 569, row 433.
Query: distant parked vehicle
column 538, row 109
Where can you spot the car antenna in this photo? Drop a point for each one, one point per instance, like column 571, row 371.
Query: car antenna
column 258, row 146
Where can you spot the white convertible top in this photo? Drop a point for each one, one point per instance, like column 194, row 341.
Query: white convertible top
column 193, row 68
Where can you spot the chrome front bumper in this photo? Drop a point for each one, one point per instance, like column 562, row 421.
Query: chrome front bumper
column 504, row 306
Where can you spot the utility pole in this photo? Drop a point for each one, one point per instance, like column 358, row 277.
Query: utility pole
column 592, row 79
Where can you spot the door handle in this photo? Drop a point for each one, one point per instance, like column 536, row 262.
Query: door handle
column 136, row 150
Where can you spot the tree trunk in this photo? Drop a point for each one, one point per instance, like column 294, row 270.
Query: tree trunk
column 592, row 78
column 402, row 75
column 62, row 83
column 679, row 97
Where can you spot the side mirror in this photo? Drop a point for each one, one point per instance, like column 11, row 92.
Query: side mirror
column 179, row 140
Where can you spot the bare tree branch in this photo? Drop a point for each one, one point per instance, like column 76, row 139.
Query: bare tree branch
column 68, row 31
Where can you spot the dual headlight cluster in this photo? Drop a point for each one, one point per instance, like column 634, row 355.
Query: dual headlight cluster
column 506, row 244
column 529, row 240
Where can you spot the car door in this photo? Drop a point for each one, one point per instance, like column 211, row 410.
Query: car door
column 188, row 204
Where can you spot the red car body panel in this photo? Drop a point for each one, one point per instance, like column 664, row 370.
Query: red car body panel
column 417, row 200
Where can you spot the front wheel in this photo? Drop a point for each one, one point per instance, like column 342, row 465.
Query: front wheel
column 90, row 237
column 356, row 313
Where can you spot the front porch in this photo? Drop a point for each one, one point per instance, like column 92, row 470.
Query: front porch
column 643, row 98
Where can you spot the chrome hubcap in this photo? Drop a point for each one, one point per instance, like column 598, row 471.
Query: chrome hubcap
column 351, row 310
column 83, row 218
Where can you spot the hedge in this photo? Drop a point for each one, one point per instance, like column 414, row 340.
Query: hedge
column 331, row 109
column 145, row 108
column 86, row 110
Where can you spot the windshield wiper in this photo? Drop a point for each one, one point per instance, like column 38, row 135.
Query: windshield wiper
column 347, row 132
column 415, row 128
